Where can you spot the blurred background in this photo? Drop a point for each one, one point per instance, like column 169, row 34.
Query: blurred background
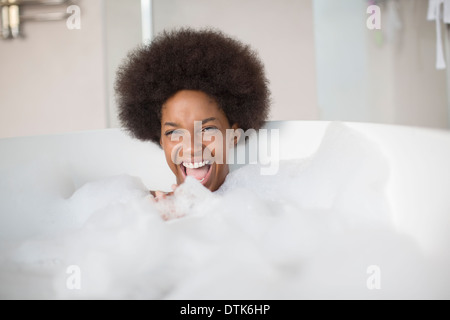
column 322, row 60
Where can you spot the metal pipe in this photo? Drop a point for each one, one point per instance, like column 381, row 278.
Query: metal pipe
column 49, row 16
column 5, row 30
column 34, row 2
column 11, row 17
column 14, row 21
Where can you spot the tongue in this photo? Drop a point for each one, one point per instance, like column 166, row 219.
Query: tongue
column 198, row 173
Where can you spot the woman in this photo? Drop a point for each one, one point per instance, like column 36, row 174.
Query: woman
column 184, row 91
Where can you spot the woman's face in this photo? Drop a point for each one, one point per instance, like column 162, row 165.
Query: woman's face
column 193, row 137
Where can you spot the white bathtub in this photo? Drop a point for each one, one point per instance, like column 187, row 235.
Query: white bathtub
column 418, row 187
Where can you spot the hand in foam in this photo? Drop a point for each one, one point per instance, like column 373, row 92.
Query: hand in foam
column 161, row 195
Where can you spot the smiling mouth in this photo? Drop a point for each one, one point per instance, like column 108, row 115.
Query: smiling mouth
column 198, row 170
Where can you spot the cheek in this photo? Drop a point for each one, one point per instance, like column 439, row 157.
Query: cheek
column 218, row 147
column 168, row 148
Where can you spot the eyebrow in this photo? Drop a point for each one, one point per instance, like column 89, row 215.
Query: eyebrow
column 208, row 120
column 173, row 124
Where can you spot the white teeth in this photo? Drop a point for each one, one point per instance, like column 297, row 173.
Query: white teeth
column 196, row 165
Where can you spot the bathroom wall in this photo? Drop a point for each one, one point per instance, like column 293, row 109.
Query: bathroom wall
column 403, row 69
column 282, row 33
column 53, row 80
column 447, row 49
column 58, row 80
column 123, row 31
column 386, row 75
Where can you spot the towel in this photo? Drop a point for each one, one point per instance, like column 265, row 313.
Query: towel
column 434, row 14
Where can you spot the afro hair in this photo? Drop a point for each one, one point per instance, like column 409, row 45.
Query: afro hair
column 204, row 60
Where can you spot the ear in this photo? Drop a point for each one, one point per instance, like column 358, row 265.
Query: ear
column 237, row 133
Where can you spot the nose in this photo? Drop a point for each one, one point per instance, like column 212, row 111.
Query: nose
column 193, row 146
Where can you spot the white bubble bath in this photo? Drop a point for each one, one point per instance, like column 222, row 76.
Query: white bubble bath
column 355, row 211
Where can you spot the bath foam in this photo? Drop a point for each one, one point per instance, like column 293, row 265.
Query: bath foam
column 311, row 231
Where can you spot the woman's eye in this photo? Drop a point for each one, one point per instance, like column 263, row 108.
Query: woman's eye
column 209, row 129
column 173, row 132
